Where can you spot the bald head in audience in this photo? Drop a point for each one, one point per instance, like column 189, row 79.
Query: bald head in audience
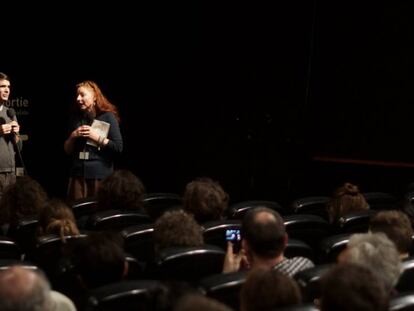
column 23, row 289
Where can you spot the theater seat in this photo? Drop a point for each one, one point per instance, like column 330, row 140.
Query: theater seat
column 330, row 247
column 116, row 220
column 311, row 205
column 309, row 281
column 125, row 296
column 295, row 248
column 301, row 307
column 238, row 210
column 189, row 263
column 224, row 287
column 156, row 204
column 355, row 222
column 139, row 241
column 406, row 281
column 402, row 302
column 308, row 228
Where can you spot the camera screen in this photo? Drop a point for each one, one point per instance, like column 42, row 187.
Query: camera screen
column 233, row 235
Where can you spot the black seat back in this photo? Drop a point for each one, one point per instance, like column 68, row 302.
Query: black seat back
column 116, row 220
column 406, row 281
column 139, row 241
column 355, row 222
column 238, row 210
column 126, row 296
column 315, row 205
column 307, row 228
column 309, row 281
column 330, row 247
column 156, row 204
column 189, row 263
column 224, row 287
column 402, row 302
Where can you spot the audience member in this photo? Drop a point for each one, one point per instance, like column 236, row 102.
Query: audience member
column 264, row 240
column 351, row 287
column 266, row 290
column 374, row 251
column 27, row 290
column 57, row 218
column 100, row 259
column 177, row 228
column 121, row 190
column 345, row 199
column 205, row 199
column 24, row 198
column 397, row 227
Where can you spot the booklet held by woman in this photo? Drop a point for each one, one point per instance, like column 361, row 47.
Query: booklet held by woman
column 100, row 127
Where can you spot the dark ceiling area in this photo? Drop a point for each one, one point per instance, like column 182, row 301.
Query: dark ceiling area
column 248, row 94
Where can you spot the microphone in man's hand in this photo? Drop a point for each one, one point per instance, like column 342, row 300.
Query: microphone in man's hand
column 11, row 113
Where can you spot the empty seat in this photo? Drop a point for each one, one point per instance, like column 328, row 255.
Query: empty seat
column 139, row 241
column 380, row 200
column 116, row 220
column 315, row 205
column 189, row 263
column 126, row 296
column 156, row 204
column 224, row 287
column 308, row 228
column 215, row 231
column 309, row 281
column 238, row 210
column 330, row 247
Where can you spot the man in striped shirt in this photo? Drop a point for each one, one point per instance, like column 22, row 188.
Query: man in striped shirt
column 264, row 240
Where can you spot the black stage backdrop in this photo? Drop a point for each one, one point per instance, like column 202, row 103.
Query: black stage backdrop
column 245, row 93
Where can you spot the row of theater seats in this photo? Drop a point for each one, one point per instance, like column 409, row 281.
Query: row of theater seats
column 157, row 203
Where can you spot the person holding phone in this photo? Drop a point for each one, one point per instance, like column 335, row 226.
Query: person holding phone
column 264, row 240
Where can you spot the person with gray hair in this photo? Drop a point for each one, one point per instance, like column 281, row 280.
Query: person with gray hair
column 22, row 289
column 377, row 252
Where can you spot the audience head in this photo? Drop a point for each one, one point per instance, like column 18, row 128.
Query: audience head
column 268, row 290
column 198, row 302
column 24, row 290
column 205, row 199
column 397, row 227
column 374, row 251
column 100, row 259
column 177, row 228
column 263, row 232
column 24, row 198
column 121, row 190
column 57, row 218
column 352, row 287
column 345, row 199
